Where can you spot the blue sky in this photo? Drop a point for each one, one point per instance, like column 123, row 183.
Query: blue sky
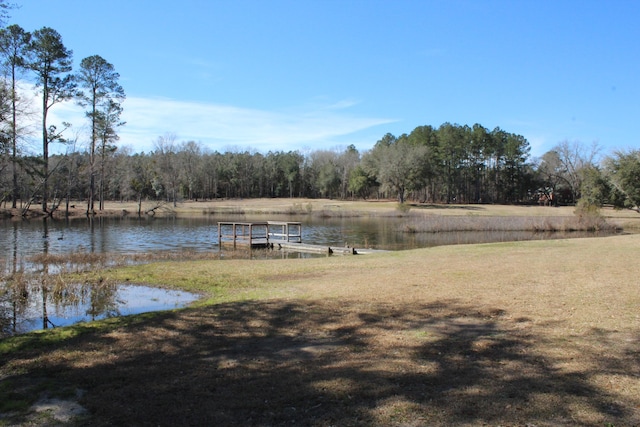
column 322, row 74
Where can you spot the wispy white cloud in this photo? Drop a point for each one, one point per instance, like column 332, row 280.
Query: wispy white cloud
column 342, row 104
column 219, row 126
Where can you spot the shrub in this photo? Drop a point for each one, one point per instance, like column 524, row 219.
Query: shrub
column 403, row 207
column 589, row 216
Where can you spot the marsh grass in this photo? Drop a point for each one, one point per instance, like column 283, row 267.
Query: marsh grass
column 437, row 223
column 66, row 263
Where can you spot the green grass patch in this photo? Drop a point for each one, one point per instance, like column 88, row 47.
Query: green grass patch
column 55, row 337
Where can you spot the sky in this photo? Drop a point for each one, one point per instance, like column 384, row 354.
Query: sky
column 307, row 75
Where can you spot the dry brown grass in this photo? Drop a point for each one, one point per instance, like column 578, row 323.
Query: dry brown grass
column 334, row 207
column 442, row 223
column 541, row 333
column 627, row 218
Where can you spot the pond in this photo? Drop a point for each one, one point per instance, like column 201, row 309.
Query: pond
column 131, row 236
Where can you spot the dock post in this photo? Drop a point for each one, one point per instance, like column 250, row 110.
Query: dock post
column 234, row 235
column 267, row 233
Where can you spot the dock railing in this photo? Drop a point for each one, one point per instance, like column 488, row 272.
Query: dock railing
column 288, row 231
column 260, row 234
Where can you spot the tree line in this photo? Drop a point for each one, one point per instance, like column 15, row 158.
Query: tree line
column 448, row 164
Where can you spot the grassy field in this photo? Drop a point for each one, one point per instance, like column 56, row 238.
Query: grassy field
column 624, row 218
column 542, row 333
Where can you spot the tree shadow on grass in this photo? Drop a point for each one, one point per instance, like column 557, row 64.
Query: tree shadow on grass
column 318, row 363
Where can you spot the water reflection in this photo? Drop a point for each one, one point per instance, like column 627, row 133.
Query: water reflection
column 31, row 297
column 31, row 305
column 133, row 235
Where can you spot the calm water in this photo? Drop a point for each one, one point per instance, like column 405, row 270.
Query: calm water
column 22, row 239
column 35, row 306
column 42, row 309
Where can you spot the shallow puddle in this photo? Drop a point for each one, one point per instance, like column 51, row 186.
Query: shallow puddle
column 36, row 308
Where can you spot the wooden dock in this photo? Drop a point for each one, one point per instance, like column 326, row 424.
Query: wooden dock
column 320, row 249
column 259, row 234
column 282, row 235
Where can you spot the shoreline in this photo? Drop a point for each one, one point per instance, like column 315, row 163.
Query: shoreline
column 621, row 219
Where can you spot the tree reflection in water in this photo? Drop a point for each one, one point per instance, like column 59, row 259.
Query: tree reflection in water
column 42, row 298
